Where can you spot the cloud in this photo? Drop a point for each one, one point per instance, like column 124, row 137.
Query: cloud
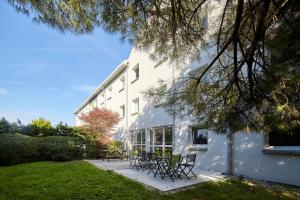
column 85, row 88
column 3, row 91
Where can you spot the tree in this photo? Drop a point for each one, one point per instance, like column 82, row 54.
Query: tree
column 99, row 123
column 41, row 127
column 250, row 86
column 63, row 129
column 4, row 126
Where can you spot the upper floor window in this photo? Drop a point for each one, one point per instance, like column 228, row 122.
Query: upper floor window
column 135, row 107
column 161, row 99
column 93, row 103
column 279, row 138
column 122, row 84
column 136, row 70
column 122, row 111
column 199, row 136
column 109, row 95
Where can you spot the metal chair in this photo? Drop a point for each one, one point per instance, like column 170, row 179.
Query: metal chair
column 170, row 167
column 141, row 160
column 186, row 165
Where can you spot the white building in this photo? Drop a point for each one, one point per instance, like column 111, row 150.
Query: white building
column 147, row 125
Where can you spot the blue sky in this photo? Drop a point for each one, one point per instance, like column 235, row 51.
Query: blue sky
column 45, row 73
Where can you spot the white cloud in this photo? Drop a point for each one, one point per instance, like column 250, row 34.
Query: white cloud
column 3, row 91
column 85, row 88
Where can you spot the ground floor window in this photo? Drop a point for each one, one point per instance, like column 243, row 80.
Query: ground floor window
column 280, row 138
column 161, row 140
column 199, row 136
column 139, row 139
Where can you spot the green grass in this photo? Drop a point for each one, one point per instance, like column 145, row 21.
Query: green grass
column 81, row 180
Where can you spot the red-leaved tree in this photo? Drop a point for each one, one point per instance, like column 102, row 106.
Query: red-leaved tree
column 99, row 123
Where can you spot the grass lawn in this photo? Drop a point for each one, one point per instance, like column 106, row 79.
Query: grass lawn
column 81, row 180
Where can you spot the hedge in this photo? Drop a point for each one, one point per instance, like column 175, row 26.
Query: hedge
column 18, row 148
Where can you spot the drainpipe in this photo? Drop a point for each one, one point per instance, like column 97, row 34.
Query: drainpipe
column 230, row 154
column 174, row 113
column 126, row 106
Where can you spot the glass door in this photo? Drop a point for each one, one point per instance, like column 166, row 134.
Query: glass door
column 161, row 140
column 138, row 140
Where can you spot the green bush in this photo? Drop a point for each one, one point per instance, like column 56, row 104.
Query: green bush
column 115, row 146
column 17, row 148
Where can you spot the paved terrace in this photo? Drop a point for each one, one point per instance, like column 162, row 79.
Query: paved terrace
column 164, row 185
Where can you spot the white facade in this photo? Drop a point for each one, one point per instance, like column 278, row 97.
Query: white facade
column 123, row 92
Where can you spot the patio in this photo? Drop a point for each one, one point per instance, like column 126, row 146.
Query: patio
column 164, row 185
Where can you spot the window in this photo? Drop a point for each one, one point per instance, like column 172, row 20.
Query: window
column 158, row 136
column 161, row 140
column 93, row 103
column 168, row 135
column 161, row 99
column 135, row 108
column 279, row 138
column 136, row 70
column 122, row 111
column 138, row 139
column 109, row 92
column 160, row 62
column 199, row 136
column 205, row 22
column 122, row 84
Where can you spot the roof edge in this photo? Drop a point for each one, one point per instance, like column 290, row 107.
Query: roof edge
column 102, row 85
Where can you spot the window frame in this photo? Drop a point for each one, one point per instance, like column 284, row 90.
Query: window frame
column 136, row 70
column 163, row 146
column 109, row 92
column 161, row 101
column 123, row 111
column 122, row 84
column 197, row 147
column 279, row 150
column 135, row 106
column 134, row 139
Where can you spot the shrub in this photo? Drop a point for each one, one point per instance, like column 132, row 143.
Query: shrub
column 41, row 127
column 17, row 148
column 51, row 146
column 115, row 146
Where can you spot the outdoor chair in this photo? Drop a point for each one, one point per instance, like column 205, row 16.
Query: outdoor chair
column 169, row 168
column 147, row 162
column 186, row 165
column 132, row 159
column 153, row 164
column 141, row 160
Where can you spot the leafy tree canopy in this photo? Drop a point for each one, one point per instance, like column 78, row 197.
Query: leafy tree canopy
column 253, row 72
column 99, row 123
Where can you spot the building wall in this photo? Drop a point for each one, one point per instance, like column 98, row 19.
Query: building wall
column 250, row 161
column 211, row 157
